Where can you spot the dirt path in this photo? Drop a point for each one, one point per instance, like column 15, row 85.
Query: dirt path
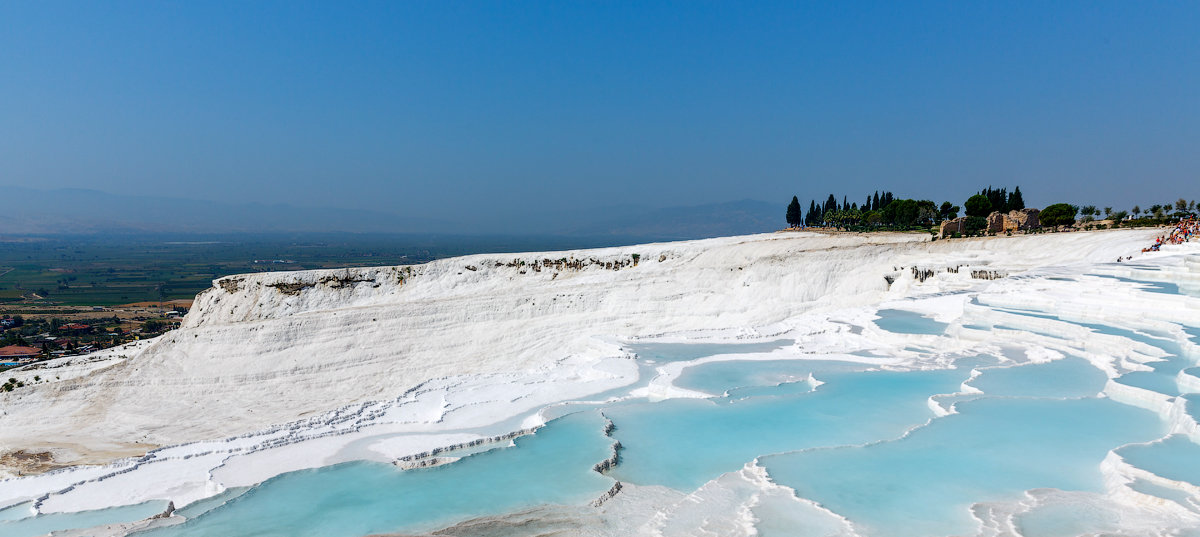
column 44, row 458
column 25, row 463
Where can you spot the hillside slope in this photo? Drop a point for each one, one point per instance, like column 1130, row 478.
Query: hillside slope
column 264, row 349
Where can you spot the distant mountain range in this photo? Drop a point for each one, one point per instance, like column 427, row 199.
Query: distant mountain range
column 27, row 211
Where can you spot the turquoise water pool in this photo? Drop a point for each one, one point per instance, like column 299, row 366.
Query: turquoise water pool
column 684, row 443
column 41, row 525
column 719, row 377
column 1068, row 377
column 682, row 352
column 993, row 449
column 1173, row 458
column 357, row 499
column 863, row 442
column 908, row 322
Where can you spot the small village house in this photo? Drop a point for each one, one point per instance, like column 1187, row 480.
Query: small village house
column 19, row 354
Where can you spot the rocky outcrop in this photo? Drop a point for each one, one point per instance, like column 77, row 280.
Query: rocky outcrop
column 170, row 510
column 1022, row 220
column 957, row 225
column 607, row 495
column 1025, row 219
column 987, row 274
column 995, row 222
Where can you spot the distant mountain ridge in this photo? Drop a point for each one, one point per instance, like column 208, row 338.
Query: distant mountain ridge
column 73, row 210
column 743, row 217
column 28, row 211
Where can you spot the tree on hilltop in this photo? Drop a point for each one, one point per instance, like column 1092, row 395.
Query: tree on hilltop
column 793, row 213
column 978, row 205
column 948, row 211
column 1059, row 214
column 1088, row 212
column 1015, row 201
column 998, row 198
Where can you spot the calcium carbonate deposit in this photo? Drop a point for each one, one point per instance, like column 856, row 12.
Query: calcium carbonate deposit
column 775, row 385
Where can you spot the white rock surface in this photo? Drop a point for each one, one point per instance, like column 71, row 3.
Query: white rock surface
column 275, row 372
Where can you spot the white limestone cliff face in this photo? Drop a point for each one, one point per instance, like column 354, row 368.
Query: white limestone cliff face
column 264, row 349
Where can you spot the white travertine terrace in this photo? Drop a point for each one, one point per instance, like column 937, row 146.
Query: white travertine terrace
column 274, row 372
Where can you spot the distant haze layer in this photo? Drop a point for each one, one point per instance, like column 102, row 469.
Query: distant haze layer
column 79, row 211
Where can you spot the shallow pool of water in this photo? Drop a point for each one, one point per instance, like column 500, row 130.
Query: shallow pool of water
column 864, row 443
column 553, row 466
column 1174, row 458
column 908, row 322
column 994, row 449
column 682, row 352
column 684, row 443
column 722, row 376
column 42, row 525
column 1068, row 377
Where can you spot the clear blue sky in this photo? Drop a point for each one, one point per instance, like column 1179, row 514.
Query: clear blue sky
column 486, row 110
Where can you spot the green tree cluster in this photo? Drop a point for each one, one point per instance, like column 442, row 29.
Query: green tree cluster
column 978, row 206
column 1059, row 214
column 880, row 210
column 1003, row 201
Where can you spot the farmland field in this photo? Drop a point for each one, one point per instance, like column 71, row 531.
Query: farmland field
column 97, row 270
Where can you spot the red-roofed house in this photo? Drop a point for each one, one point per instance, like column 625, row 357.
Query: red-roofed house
column 17, row 353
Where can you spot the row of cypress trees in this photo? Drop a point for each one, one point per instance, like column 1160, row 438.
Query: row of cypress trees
column 904, row 214
column 816, row 213
column 997, row 200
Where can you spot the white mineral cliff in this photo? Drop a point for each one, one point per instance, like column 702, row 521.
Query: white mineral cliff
column 266, row 349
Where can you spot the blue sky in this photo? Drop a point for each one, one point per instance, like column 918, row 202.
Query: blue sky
column 485, row 110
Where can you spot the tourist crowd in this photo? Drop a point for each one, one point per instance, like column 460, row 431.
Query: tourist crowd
column 1181, row 234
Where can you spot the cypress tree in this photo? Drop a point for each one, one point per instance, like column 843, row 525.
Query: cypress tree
column 793, row 213
column 831, row 204
column 997, row 197
column 811, row 218
column 1015, row 201
column 875, row 202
